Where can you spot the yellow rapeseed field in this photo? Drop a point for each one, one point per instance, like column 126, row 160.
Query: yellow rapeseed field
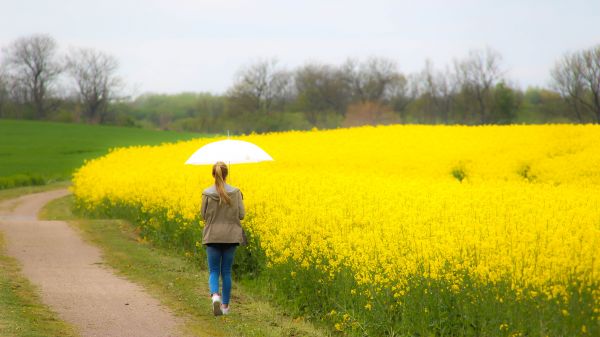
column 518, row 203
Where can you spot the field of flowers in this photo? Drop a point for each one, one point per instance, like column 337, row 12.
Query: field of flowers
column 396, row 230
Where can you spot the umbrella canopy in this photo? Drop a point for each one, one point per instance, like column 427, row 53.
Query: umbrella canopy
column 228, row 151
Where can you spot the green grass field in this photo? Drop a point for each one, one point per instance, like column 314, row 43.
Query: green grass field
column 34, row 153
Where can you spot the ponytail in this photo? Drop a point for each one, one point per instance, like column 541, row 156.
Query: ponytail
column 220, row 171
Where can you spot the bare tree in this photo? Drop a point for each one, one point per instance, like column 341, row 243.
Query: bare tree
column 477, row 75
column 94, row 73
column 591, row 76
column 576, row 76
column 373, row 79
column 403, row 91
column 439, row 88
column 33, row 62
column 4, row 92
column 320, row 88
column 568, row 81
column 260, row 87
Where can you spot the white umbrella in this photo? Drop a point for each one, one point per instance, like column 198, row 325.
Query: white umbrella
column 228, row 151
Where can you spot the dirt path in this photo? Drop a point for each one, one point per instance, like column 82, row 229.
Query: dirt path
column 72, row 279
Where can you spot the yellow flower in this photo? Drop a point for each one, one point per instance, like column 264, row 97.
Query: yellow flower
column 379, row 202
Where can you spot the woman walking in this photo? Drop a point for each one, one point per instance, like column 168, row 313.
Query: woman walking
column 222, row 209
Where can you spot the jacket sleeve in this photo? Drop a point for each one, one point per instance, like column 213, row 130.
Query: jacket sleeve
column 241, row 205
column 203, row 207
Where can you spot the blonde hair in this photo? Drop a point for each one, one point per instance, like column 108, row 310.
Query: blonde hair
column 219, row 172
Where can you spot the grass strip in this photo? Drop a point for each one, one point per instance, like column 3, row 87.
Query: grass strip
column 22, row 313
column 12, row 193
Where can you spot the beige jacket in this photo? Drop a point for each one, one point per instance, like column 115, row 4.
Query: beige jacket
column 222, row 222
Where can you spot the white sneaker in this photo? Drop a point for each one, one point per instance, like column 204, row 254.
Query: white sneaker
column 225, row 310
column 216, row 302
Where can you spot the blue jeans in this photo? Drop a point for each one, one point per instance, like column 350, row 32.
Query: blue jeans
column 220, row 259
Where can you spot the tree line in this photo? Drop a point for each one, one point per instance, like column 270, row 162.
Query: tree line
column 38, row 82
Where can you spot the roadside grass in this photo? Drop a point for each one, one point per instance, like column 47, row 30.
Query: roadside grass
column 21, row 310
column 12, row 193
column 36, row 152
column 179, row 282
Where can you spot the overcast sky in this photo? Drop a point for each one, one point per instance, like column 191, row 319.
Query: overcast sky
column 196, row 45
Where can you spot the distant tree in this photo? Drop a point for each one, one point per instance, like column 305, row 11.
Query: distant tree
column 4, row 92
column 477, row 75
column 402, row 93
column 577, row 77
column 567, row 80
column 94, row 73
column 32, row 61
column 372, row 80
column 591, row 77
column 506, row 104
column 438, row 88
column 260, row 87
column 544, row 105
column 320, row 88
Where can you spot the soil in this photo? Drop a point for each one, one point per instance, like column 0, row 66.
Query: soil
column 72, row 278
